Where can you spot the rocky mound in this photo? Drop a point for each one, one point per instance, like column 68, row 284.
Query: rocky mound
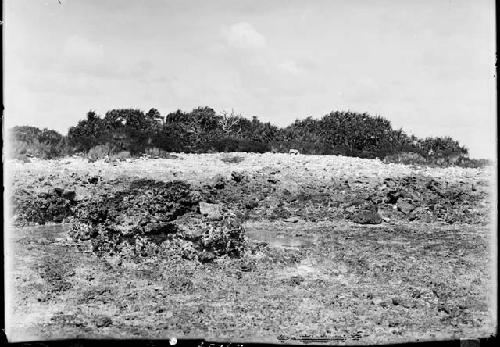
column 366, row 201
column 145, row 216
column 31, row 207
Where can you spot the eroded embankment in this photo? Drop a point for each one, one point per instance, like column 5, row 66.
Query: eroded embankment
column 203, row 220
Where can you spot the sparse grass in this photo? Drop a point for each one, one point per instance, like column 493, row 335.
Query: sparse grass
column 355, row 284
column 393, row 282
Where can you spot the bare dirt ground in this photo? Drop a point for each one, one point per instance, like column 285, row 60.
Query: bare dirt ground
column 311, row 271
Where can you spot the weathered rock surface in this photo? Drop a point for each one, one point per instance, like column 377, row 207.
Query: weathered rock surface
column 211, row 211
column 366, row 217
column 143, row 214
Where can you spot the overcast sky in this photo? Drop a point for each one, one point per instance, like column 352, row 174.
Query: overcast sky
column 427, row 66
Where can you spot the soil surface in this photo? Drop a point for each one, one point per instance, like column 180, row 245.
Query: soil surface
column 276, row 248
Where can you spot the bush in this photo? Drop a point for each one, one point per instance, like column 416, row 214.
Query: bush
column 475, row 163
column 99, row 152
column 202, row 131
column 28, row 141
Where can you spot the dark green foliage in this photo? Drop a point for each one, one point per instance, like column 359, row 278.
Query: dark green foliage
column 88, row 133
column 31, row 141
column 202, row 130
column 344, row 133
column 441, row 147
column 194, row 130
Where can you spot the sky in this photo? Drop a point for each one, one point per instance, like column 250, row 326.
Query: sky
column 428, row 66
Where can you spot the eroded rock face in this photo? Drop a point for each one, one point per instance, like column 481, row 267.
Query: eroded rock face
column 30, row 207
column 212, row 211
column 144, row 214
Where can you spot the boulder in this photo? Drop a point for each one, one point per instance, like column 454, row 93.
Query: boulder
column 366, row 217
column 58, row 191
column 212, row 211
column 292, row 220
column 405, row 206
column 206, row 257
column 58, row 218
column 191, row 227
column 237, row 176
column 251, row 204
column 393, row 196
column 219, row 181
column 93, row 180
column 69, row 195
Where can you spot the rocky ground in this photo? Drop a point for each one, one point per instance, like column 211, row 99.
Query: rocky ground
column 284, row 248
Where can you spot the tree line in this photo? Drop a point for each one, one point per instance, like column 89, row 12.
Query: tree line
column 203, row 130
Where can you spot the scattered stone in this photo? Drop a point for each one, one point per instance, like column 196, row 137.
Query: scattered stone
column 443, row 308
column 366, row 217
column 69, row 195
column 206, row 257
column 190, row 227
column 212, row 211
column 58, row 191
column 247, row 266
column 219, row 182
column 102, row 321
column 237, row 176
column 296, row 280
column 169, row 156
column 292, row 220
column 251, row 204
column 405, row 207
column 393, row 196
column 356, row 202
column 58, row 219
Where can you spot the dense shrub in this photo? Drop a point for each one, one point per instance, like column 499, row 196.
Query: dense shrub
column 202, row 131
column 442, row 147
column 475, row 163
column 99, row 152
column 26, row 141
